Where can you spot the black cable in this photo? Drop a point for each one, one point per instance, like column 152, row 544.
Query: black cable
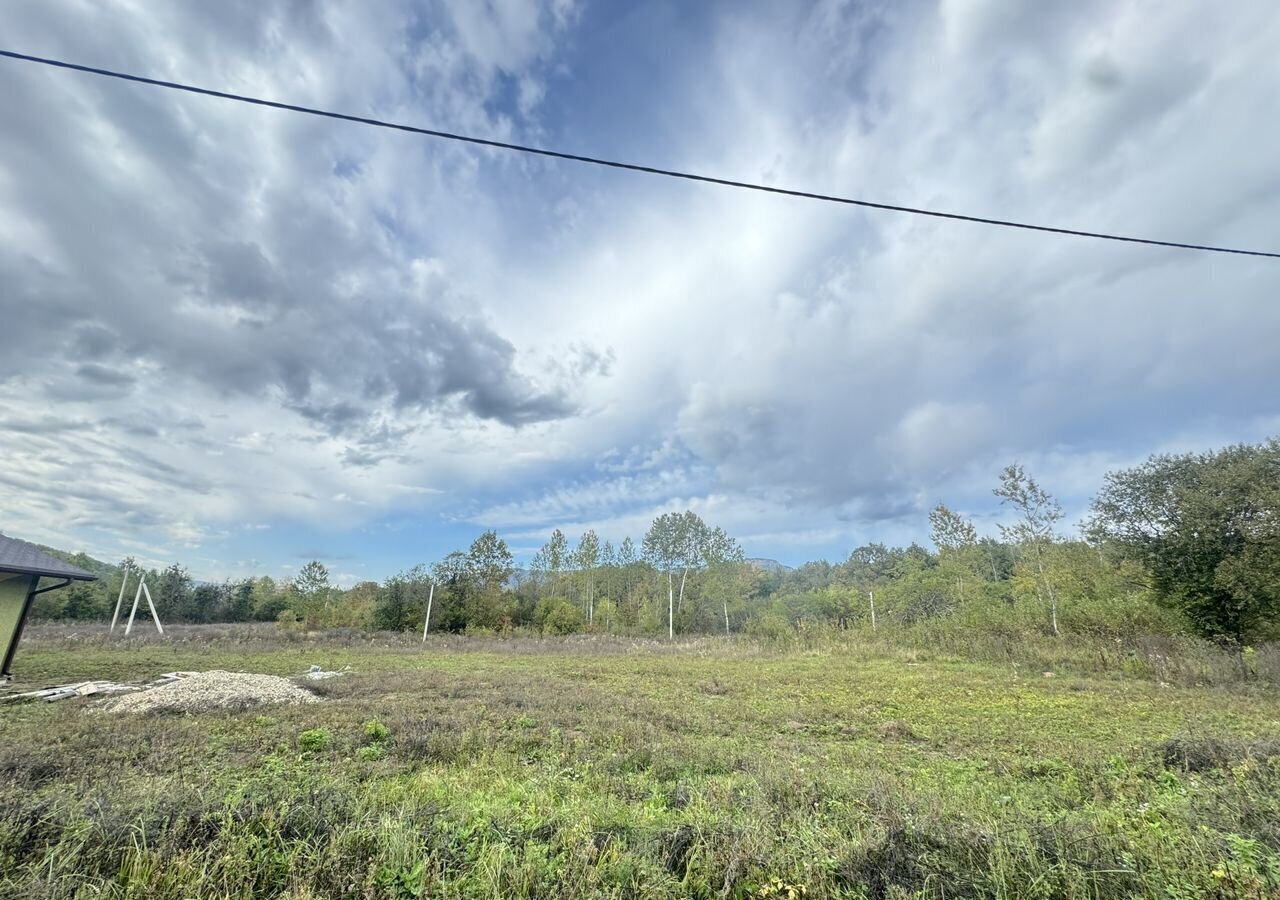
column 614, row 164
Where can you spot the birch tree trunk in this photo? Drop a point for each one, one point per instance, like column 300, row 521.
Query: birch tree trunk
column 671, row 609
column 1047, row 588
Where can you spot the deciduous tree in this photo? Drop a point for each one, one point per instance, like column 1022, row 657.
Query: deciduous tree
column 1033, row 532
column 1206, row 527
column 586, row 558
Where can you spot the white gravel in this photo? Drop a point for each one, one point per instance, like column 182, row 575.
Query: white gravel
column 215, row 689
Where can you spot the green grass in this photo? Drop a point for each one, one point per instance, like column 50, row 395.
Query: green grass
column 628, row 769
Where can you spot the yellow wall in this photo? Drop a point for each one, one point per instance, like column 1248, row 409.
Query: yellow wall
column 13, row 594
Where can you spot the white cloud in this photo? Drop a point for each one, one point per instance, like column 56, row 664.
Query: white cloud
column 255, row 317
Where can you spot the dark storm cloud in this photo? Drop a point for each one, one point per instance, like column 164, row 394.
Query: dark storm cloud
column 362, row 459
column 93, row 341
column 78, row 389
column 334, row 356
column 237, row 272
column 98, row 374
column 43, row 426
column 291, row 293
column 319, row 553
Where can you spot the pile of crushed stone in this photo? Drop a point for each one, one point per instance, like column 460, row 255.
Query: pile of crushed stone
column 201, row 691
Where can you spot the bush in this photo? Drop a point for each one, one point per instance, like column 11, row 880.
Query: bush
column 375, row 732
column 1123, row 617
column 771, row 628
column 315, row 740
column 555, row 615
column 1200, row 754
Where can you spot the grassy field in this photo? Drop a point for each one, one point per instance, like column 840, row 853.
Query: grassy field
column 612, row 768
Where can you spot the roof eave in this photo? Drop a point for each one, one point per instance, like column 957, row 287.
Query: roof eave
column 49, row 573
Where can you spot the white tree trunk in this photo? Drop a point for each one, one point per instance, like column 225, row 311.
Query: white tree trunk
column 726, row 617
column 431, row 595
column 1047, row 588
column 671, row 609
column 872, row 597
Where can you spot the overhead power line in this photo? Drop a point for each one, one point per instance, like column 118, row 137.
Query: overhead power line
column 615, row 164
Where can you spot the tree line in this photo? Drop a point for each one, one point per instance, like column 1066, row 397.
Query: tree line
column 1181, row 543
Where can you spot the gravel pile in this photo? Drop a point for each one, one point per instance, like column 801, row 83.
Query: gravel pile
column 201, row 691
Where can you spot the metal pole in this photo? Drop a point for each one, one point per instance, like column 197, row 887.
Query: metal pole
column 124, row 582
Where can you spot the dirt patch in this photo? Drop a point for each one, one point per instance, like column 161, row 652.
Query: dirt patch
column 897, row 730
column 200, row 691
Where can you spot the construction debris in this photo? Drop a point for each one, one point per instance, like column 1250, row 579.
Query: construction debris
column 315, row 673
column 88, row 689
column 64, row 691
column 201, row 691
column 185, row 691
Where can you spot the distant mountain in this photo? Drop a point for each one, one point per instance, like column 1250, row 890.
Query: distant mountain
column 768, row 565
column 103, row 570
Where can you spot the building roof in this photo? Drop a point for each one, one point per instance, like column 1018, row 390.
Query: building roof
column 28, row 559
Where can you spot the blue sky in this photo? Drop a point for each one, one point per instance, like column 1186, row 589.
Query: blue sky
column 255, row 338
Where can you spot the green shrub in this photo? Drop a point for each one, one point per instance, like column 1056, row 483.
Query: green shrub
column 315, row 740
column 373, row 752
column 771, row 628
column 375, row 732
column 402, row 881
column 555, row 615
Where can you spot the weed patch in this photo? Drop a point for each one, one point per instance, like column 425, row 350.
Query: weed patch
column 600, row 769
column 1192, row 753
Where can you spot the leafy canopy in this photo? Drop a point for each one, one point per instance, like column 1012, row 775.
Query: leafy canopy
column 1206, row 527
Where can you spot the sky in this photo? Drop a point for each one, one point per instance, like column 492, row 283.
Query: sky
column 240, row 338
